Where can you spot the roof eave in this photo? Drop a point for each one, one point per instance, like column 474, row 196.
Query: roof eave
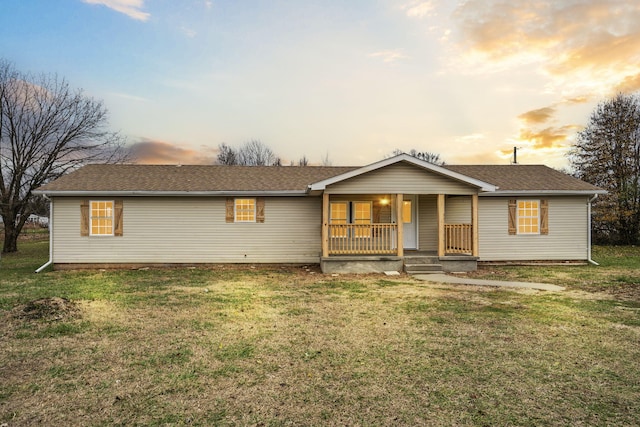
column 543, row 192
column 84, row 193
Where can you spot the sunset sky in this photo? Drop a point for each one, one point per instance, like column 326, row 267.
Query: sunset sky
column 353, row 80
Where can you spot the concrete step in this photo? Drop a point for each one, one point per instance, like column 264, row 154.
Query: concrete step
column 422, row 268
column 414, row 260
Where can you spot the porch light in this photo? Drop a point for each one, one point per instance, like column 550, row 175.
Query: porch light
column 384, row 201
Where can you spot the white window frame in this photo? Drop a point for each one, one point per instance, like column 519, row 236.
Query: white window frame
column 235, row 209
column 539, row 206
column 91, row 217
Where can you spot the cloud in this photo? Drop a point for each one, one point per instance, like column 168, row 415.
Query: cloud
column 472, row 138
column 389, row 56
column 131, row 8
column 538, row 116
column 151, row 152
column 583, row 47
column 550, row 137
column 629, row 84
column 577, row 100
column 418, row 8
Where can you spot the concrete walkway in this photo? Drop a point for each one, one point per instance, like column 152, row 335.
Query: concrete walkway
column 445, row 278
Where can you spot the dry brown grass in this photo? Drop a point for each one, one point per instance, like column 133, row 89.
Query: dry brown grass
column 288, row 346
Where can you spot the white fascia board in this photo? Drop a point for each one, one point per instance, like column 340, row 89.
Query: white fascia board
column 168, row 193
column 322, row 185
column 543, row 193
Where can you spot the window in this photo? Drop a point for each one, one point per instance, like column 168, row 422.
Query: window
column 362, row 215
column 338, row 215
column 342, row 213
column 528, row 216
column 245, row 210
column 406, row 212
column 101, row 218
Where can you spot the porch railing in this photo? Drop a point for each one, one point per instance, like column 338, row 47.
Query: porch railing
column 362, row 239
column 458, row 238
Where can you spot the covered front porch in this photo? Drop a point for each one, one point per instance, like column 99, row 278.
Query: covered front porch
column 382, row 232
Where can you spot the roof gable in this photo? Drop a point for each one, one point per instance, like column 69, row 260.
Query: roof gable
column 482, row 185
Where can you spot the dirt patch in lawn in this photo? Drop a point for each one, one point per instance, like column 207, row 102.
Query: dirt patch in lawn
column 46, row 309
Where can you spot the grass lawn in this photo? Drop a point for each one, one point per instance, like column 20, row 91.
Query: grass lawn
column 289, row 346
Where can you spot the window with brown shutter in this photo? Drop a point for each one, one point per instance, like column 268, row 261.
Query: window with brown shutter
column 117, row 218
column 229, row 210
column 260, row 209
column 84, row 218
column 101, row 218
column 544, row 216
column 245, row 209
column 513, row 204
column 528, row 217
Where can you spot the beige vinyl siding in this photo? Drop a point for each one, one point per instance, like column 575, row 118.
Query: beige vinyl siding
column 427, row 223
column 400, row 178
column 457, row 210
column 193, row 230
column 567, row 238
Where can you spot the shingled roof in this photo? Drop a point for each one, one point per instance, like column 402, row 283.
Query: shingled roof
column 288, row 179
column 212, row 178
column 528, row 178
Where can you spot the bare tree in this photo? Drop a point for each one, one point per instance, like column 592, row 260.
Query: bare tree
column 303, row 161
column 255, row 153
column 251, row 153
column 325, row 160
column 426, row 156
column 46, row 130
column 227, row 155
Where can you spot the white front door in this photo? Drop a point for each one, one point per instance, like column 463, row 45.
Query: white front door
column 410, row 222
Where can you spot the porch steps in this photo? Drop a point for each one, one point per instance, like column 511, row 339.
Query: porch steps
column 422, row 264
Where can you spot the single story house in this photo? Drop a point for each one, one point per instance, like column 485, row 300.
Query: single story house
column 398, row 213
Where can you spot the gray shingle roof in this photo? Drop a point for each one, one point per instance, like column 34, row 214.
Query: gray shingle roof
column 216, row 178
column 523, row 177
column 213, row 178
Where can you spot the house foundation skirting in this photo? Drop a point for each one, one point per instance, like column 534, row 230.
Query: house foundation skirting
column 381, row 263
column 459, row 264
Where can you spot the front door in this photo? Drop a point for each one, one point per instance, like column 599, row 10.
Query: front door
column 410, row 222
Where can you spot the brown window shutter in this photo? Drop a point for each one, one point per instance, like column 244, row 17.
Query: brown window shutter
column 513, row 203
column 229, row 209
column 84, row 218
column 260, row 209
column 544, row 216
column 117, row 217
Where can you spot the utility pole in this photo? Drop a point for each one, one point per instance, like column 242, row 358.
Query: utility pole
column 515, row 156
